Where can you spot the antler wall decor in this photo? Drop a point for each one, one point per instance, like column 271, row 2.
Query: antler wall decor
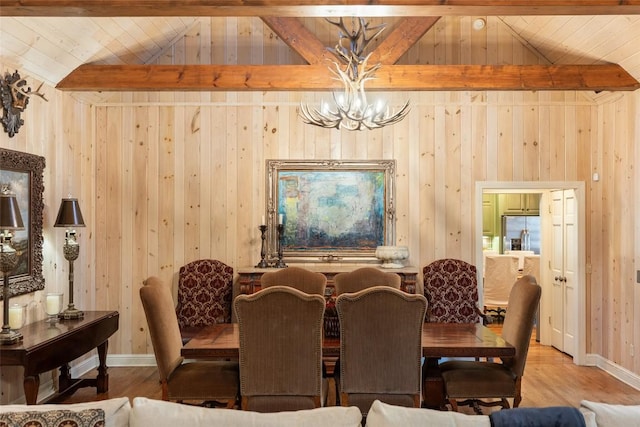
column 15, row 95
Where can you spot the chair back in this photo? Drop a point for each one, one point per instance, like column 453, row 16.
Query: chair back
column 363, row 278
column 280, row 349
column 531, row 266
column 162, row 321
column 518, row 320
column 205, row 291
column 380, row 346
column 307, row 281
column 520, row 255
column 451, row 289
column 501, row 272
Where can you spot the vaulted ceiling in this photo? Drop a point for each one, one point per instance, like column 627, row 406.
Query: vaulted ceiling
column 114, row 44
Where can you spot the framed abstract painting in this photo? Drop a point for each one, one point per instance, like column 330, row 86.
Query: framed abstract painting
column 330, row 210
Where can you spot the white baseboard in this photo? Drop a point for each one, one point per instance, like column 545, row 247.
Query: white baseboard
column 615, row 370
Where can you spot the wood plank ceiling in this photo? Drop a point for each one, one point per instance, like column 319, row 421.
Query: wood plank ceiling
column 281, row 16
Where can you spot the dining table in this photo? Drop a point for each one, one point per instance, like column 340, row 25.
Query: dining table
column 439, row 340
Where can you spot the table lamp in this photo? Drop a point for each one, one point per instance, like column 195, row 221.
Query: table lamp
column 69, row 216
column 10, row 219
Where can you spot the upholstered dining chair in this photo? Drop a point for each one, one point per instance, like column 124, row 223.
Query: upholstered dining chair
column 531, row 266
column 280, row 349
column 354, row 281
column 307, row 281
column 364, row 277
column 451, row 289
column 470, row 382
column 500, row 273
column 200, row 381
column 380, row 347
column 205, row 291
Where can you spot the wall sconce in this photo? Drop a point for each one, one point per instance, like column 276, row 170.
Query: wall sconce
column 70, row 216
column 15, row 95
column 10, row 219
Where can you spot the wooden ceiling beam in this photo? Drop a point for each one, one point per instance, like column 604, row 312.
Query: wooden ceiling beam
column 299, row 38
column 315, row 8
column 609, row 77
column 405, row 34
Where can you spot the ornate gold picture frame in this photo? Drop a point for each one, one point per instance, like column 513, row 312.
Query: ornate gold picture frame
column 24, row 174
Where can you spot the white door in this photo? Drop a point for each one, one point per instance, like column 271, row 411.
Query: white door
column 564, row 265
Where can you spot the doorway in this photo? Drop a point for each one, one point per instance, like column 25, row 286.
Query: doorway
column 577, row 306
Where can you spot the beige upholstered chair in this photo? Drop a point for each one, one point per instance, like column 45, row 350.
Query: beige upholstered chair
column 364, row 277
column 196, row 381
column 500, row 273
column 280, row 349
column 467, row 382
column 531, row 266
column 380, row 347
column 305, row 280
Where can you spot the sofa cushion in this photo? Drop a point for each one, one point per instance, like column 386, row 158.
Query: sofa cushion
column 385, row 415
column 53, row 418
column 610, row 415
column 158, row 413
column 116, row 411
column 552, row 416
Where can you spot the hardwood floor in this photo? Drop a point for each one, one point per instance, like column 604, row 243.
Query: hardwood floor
column 550, row 379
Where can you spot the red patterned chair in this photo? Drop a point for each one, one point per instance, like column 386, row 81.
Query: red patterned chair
column 451, row 288
column 205, row 291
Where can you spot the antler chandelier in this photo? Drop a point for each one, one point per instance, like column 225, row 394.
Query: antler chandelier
column 350, row 109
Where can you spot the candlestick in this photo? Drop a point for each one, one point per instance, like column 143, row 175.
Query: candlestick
column 263, row 253
column 280, row 263
column 262, row 223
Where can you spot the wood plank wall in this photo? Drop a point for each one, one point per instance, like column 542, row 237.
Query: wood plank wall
column 165, row 178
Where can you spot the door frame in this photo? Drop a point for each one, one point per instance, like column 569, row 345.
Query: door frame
column 543, row 187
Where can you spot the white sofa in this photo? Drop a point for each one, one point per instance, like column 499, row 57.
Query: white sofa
column 148, row 412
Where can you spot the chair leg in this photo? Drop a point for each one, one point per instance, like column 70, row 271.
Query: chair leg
column 344, row 399
column 518, row 396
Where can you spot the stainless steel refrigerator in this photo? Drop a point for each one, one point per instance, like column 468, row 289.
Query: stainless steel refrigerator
column 520, row 232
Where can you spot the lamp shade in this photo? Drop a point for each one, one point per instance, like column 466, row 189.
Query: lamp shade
column 69, row 214
column 10, row 218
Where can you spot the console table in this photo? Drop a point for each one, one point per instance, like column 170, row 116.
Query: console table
column 249, row 277
column 47, row 346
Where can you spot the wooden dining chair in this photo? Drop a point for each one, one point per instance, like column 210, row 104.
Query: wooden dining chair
column 299, row 278
column 380, row 347
column 472, row 382
column 181, row 381
column 280, row 349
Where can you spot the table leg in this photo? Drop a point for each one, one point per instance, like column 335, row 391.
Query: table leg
column 31, row 385
column 102, row 382
column 64, row 379
column 433, row 385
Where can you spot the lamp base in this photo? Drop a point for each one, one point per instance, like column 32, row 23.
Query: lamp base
column 10, row 337
column 71, row 313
